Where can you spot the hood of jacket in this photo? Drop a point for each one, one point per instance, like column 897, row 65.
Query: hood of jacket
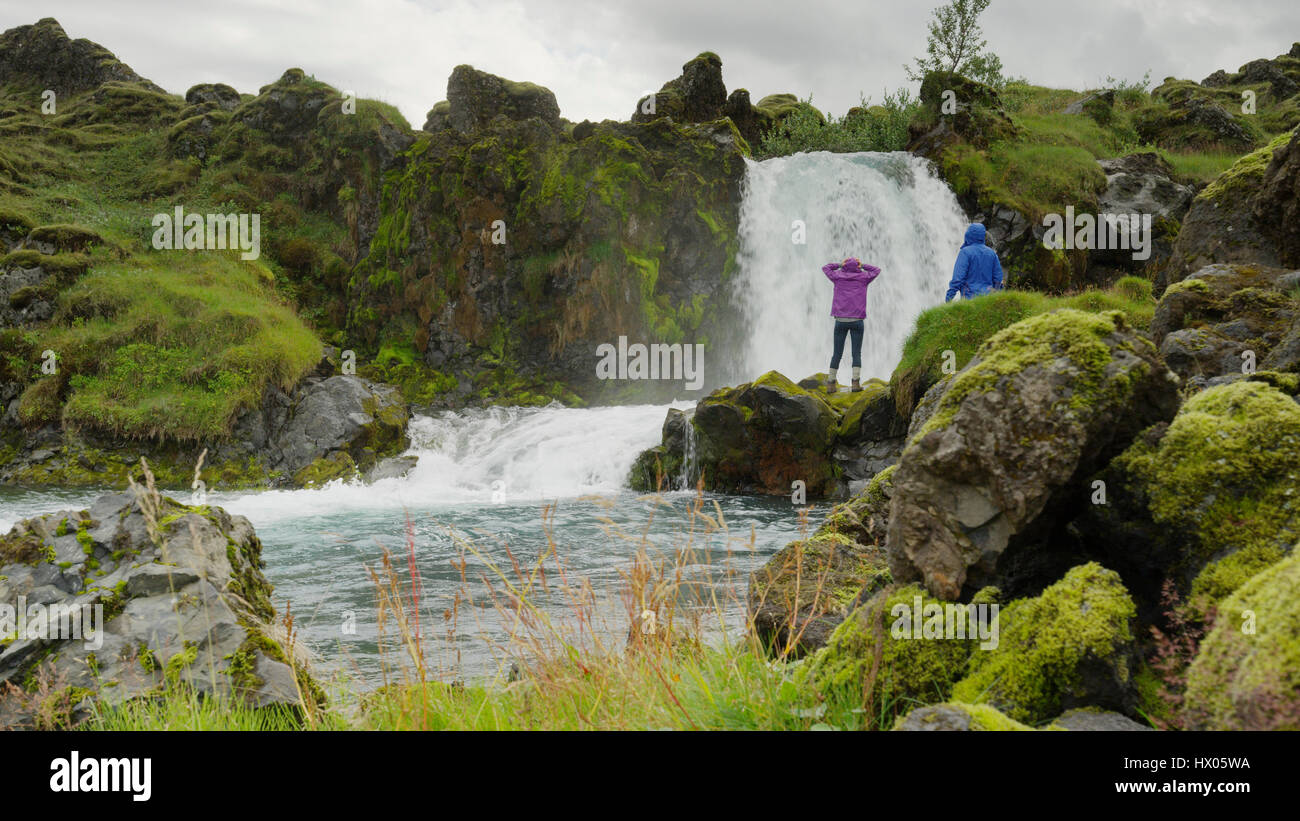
column 974, row 235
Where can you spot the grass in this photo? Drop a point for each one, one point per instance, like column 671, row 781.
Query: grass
column 961, row 326
column 172, row 345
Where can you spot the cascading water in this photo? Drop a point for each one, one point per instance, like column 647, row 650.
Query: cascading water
column 690, row 460
column 889, row 210
column 487, row 473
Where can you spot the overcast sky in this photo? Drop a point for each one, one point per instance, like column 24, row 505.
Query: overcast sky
column 600, row 56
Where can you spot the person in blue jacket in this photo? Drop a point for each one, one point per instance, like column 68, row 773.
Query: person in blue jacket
column 978, row 270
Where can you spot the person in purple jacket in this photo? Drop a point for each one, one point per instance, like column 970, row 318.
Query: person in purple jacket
column 849, row 307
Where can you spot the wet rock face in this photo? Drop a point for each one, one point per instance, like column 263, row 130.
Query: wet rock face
column 475, row 97
column 181, row 600
column 1043, row 404
column 329, row 427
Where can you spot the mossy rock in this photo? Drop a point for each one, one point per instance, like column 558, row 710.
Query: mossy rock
column 65, row 238
column 1070, row 646
column 1246, row 675
column 765, row 435
column 952, row 716
column 808, row 587
column 1044, row 404
column 864, row 663
column 337, row 465
column 865, row 517
column 1220, row 487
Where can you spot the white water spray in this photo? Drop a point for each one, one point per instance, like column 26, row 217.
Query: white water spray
column 888, row 210
column 487, row 456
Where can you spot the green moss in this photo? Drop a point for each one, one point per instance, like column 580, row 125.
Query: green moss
column 908, row 671
column 179, row 661
column 1225, row 472
column 1244, row 176
column 1049, row 645
column 1069, row 333
column 962, row 326
column 983, row 718
column 1247, row 672
column 338, row 465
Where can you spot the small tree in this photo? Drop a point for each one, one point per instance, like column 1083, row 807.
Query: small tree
column 956, row 43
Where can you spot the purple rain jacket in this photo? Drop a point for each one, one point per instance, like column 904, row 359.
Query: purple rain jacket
column 851, row 280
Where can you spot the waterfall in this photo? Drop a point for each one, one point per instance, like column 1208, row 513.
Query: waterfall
column 889, row 210
column 690, row 461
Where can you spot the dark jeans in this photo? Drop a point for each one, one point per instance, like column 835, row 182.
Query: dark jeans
column 841, row 330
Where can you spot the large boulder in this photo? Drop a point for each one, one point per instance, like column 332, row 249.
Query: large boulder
column 1229, row 319
column 1207, row 501
column 1071, row 646
column 218, row 95
column 1142, row 184
column 1042, row 406
column 696, row 96
column 763, row 436
column 1246, row 675
column 971, row 113
column 133, row 596
column 1249, row 214
column 475, row 98
column 328, row 428
column 42, row 56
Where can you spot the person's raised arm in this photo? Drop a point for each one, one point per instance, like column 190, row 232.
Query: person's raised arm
column 870, row 272
column 830, row 269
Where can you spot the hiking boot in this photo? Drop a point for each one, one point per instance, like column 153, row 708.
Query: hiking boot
column 856, row 386
column 832, row 386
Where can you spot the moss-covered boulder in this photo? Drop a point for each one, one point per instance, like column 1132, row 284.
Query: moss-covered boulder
column 1246, row 675
column 1247, row 215
column 1183, row 117
column 1043, row 405
column 1226, row 320
column 136, row 595
column 475, row 97
column 697, row 95
column 801, row 594
column 957, row 717
column 1209, row 501
column 1070, row 646
column 765, row 435
column 807, row 589
column 977, row 116
column 882, row 665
